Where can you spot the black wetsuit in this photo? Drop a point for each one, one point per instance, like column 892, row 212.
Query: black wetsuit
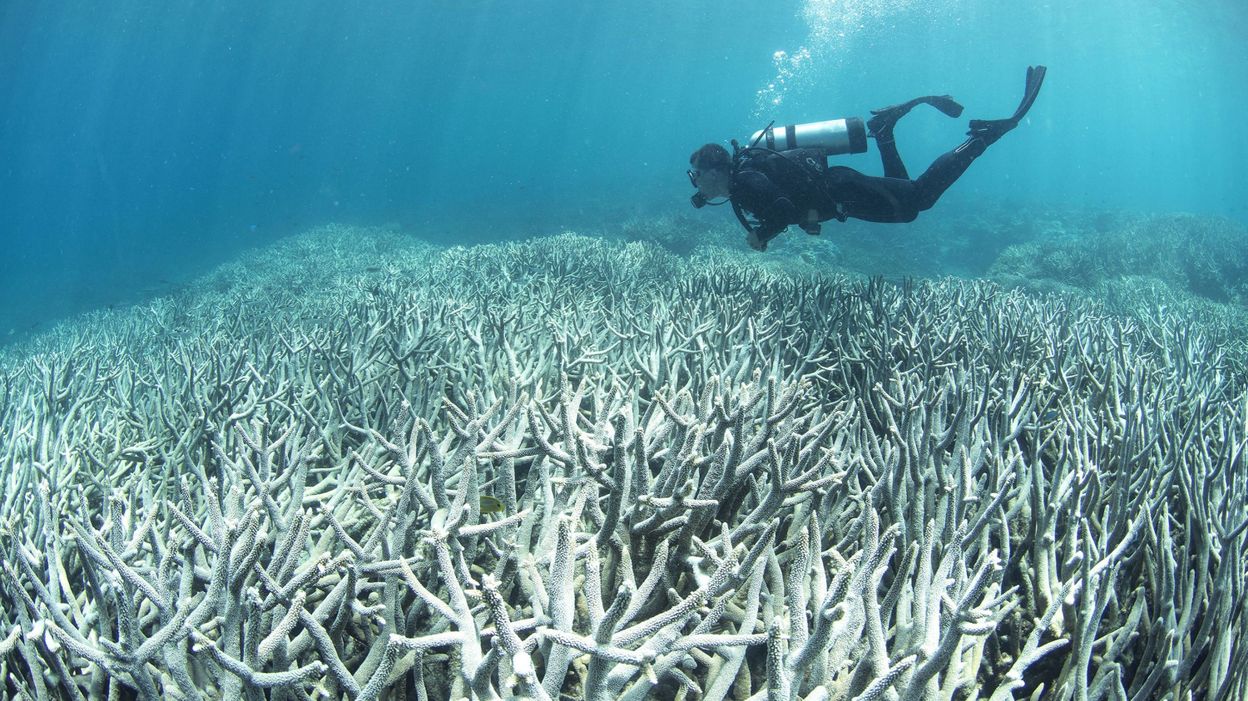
column 796, row 187
column 782, row 189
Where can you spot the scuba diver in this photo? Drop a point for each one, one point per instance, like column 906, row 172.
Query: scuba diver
column 786, row 180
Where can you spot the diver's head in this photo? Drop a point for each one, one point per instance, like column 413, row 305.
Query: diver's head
column 711, row 173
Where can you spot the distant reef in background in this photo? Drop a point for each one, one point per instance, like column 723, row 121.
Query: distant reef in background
column 1110, row 255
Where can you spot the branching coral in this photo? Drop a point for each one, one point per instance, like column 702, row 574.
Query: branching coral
column 570, row 469
column 1203, row 256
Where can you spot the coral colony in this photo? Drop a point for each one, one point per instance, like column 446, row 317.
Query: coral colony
column 359, row 467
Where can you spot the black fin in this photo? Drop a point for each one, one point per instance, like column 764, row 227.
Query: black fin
column 949, row 106
column 884, row 118
column 1035, row 78
column 992, row 129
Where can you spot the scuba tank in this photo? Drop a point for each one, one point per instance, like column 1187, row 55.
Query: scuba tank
column 834, row 136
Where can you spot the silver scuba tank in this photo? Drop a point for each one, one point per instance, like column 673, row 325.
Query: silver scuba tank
column 836, row 136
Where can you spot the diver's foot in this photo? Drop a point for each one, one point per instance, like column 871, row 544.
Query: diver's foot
column 989, row 130
column 882, row 120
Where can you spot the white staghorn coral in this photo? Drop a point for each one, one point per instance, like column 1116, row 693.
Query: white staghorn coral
column 568, row 468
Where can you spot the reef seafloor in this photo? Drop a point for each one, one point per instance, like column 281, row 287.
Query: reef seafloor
column 354, row 465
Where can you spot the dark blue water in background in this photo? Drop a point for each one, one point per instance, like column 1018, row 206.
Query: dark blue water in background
column 141, row 142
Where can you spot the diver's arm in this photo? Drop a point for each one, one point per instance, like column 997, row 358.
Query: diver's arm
column 767, row 202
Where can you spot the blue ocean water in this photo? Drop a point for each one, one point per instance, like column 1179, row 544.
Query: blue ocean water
column 141, row 142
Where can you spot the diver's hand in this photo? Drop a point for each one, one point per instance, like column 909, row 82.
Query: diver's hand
column 811, row 224
column 755, row 242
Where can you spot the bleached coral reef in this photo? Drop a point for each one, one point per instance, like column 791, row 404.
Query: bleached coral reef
column 358, row 467
column 1205, row 256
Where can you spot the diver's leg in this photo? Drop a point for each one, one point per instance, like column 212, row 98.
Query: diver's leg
column 983, row 133
column 944, row 171
column 893, row 167
column 882, row 121
column 884, row 200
